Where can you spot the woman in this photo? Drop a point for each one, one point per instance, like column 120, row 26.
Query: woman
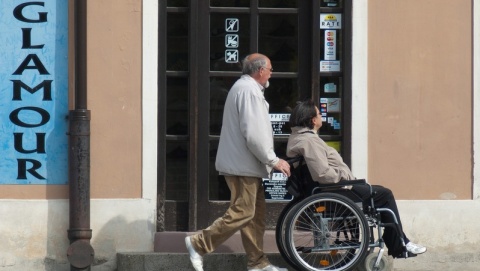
column 327, row 166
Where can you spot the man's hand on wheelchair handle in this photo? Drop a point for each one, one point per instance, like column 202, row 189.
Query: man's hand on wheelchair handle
column 283, row 167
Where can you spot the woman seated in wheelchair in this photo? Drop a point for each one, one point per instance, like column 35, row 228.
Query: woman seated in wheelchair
column 327, row 166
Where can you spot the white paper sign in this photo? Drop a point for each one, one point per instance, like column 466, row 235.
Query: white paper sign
column 329, row 66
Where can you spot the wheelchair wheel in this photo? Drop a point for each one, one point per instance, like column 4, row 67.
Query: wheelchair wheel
column 326, row 231
column 384, row 265
column 280, row 232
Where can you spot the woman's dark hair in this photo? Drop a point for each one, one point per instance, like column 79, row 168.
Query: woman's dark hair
column 302, row 114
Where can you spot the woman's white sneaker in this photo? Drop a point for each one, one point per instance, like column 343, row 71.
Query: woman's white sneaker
column 415, row 249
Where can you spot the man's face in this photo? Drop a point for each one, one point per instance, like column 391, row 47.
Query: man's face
column 265, row 74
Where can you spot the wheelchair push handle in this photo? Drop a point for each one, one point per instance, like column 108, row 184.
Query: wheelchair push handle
column 294, row 160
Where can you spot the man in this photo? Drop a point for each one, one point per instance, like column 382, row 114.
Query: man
column 245, row 155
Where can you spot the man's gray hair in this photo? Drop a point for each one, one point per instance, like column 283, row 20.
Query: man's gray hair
column 251, row 66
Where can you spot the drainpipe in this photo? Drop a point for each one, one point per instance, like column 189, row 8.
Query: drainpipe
column 80, row 253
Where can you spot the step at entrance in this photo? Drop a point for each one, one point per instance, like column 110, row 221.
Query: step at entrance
column 174, row 242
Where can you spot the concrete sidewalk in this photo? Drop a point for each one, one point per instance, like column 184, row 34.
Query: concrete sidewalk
column 170, row 254
column 181, row 262
column 237, row 262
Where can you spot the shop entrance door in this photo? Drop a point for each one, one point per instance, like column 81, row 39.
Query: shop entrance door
column 201, row 45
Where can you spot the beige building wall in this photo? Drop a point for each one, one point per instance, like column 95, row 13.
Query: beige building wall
column 420, row 97
column 114, row 97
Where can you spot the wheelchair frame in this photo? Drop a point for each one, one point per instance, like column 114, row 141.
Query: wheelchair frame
column 322, row 228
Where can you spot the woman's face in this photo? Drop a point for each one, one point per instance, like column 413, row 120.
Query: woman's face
column 317, row 120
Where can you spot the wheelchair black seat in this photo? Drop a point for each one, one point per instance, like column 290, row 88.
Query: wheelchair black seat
column 300, row 183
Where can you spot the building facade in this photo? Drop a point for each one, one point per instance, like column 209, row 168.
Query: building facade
column 397, row 81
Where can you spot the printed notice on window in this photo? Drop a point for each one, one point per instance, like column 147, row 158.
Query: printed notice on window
column 280, row 124
column 275, row 189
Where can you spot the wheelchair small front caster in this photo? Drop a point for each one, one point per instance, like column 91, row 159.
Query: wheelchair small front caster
column 385, row 264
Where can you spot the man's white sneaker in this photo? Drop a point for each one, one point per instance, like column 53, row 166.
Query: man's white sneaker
column 269, row 268
column 415, row 249
column 195, row 258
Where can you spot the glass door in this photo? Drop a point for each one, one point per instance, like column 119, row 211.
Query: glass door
column 201, row 45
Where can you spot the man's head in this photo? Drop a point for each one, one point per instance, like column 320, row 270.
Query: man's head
column 259, row 67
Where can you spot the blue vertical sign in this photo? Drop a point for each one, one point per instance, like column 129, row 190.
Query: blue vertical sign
column 33, row 92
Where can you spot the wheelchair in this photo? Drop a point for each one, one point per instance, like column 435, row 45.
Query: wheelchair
column 328, row 227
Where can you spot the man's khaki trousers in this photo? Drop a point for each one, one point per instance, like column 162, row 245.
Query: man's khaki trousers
column 247, row 214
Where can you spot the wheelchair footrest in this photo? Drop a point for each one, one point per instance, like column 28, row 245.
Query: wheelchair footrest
column 406, row 255
column 410, row 255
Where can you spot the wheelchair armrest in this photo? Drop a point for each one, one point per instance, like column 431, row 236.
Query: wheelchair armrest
column 342, row 183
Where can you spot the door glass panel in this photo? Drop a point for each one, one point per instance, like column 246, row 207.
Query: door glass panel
column 331, row 89
column 332, row 3
column 177, row 170
column 219, row 87
column 177, row 106
column 337, row 145
column 177, row 41
column 177, row 3
column 278, row 39
column 230, row 3
column 280, row 148
column 218, row 189
column 282, row 94
column 229, row 41
column 278, row 3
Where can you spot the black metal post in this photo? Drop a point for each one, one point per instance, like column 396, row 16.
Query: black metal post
column 80, row 253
